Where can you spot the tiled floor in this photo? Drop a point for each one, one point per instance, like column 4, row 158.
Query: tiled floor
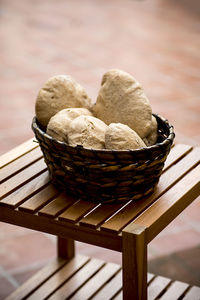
column 156, row 41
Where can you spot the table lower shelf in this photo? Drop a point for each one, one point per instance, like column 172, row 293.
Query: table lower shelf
column 89, row 278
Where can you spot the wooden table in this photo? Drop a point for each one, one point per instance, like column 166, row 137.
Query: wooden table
column 28, row 199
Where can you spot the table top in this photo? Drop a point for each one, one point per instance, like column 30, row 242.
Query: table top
column 27, row 198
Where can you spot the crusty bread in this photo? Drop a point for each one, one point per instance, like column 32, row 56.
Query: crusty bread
column 151, row 138
column 58, row 125
column 59, row 92
column 87, row 131
column 121, row 137
column 121, row 99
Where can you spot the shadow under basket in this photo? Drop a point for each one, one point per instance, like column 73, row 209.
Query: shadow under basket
column 106, row 175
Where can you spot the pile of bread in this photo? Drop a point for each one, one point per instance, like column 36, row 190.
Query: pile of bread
column 121, row 118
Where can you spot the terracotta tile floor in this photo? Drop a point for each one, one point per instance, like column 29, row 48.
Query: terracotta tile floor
column 158, row 42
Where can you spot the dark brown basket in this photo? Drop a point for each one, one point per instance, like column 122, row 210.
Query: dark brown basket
column 106, row 175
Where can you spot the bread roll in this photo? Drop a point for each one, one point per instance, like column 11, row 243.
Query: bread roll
column 87, row 131
column 59, row 92
column 151, row 139
column 58, row 125
column 121, row 99
column 121, row 137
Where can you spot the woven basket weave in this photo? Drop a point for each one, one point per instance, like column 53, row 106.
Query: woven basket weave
column 106, row 175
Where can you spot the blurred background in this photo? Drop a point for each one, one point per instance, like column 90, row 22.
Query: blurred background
column 157, row 41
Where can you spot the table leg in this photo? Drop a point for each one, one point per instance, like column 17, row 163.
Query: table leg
column 134, row 262
column 65, row 247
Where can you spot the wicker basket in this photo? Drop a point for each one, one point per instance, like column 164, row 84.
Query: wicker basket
column 106, row 175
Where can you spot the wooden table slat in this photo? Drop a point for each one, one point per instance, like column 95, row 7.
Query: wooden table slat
column 116, row 223
column 19, row 164
column 22, row 178
column 40, row 199
column 77, row 211
column 176, row 153
column 100, row 214
column 57, row 206
column 26, row 191
column 18, row 151
column 169, row 205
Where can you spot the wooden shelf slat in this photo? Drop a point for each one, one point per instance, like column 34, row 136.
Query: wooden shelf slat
column 175, row 291
column 193, row 294
column 59, row 278
column 96, row 282
column 85, row 278
column 78, row 280
column 111, row 288
column 157, row 286
column 119, row 296
column 37, row 279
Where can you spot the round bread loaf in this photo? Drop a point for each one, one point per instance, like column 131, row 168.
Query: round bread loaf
column 121, row 137
column 59, row 92
column 58, row 125
column 121, row 99
column 151, row 138
column 87, row 131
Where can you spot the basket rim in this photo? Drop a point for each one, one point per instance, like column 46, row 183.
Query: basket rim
column 165, row 143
